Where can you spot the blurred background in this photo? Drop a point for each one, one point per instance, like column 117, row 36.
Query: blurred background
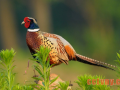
column 91, row 26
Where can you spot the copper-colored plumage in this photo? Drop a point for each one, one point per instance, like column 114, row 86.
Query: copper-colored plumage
column 70, row 52
column 33, row 41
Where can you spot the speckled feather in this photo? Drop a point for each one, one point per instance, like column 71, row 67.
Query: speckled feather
column 57, row 54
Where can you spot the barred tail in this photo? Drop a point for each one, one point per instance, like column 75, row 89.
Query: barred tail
column 90, row 61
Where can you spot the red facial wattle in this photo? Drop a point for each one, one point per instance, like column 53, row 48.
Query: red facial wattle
column 27, row 22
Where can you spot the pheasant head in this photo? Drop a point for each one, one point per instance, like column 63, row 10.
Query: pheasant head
column 30, row 23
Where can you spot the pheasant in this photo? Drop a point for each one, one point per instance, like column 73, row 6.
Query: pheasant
column 61, row 51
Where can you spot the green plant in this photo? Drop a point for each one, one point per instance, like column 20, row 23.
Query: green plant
column 83, row 83
column 24, row 87
column 63, row 86
column 118, row 66
column 44, row 70
column 6, row 74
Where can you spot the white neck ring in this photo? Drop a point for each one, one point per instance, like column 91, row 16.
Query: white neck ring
column 33, row 30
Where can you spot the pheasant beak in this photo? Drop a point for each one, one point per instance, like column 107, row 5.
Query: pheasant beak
column 23, row 22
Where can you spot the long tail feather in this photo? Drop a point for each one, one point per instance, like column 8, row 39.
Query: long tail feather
column 90, row 61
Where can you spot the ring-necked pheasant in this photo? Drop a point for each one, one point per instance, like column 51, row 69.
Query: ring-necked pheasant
column 61, row 50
